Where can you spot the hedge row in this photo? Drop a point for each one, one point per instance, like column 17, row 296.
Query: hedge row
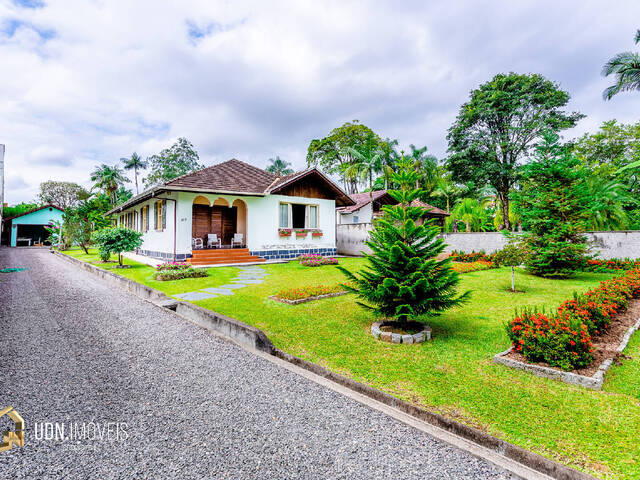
column 565, row 339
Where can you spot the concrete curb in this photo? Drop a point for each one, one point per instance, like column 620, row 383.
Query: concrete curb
column 249, row 336
column 525, row 457
column 241, row 333
column 593, row 382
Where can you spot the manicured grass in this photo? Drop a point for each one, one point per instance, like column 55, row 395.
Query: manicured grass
column 453, row 373
column 142, row 273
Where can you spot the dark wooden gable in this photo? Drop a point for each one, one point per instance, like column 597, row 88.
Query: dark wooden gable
column 310, row 186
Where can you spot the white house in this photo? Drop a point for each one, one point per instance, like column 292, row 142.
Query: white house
column 274, row 217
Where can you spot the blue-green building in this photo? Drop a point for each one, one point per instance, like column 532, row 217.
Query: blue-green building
column 28, row 228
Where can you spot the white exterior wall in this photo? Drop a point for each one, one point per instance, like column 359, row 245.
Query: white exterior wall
column 160, row 241
column 262, row 221
column 363, row 214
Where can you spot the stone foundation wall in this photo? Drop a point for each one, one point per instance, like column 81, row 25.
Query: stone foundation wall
column 292, row 253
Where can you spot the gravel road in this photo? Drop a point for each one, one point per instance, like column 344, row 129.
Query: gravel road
column 148, row 395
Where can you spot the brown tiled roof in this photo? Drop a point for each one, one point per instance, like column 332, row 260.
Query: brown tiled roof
column 230, row 176
column 432, row 210
column 233, row 177
column 362, row 199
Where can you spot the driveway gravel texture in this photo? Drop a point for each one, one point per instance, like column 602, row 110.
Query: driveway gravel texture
column 177, row 401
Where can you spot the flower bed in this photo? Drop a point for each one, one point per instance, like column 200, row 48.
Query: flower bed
column 316, row 260
column 465, row 267
column 176, row 271
column 565, row 339
column 474, row 256
column 308, row 293
column 615, row 264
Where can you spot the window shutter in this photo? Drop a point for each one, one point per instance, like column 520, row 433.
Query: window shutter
column 164, row 214
column 155, row 215
column 307, row 217
column 146, row 218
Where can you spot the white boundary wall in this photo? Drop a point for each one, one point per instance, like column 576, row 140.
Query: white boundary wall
column 622, row 244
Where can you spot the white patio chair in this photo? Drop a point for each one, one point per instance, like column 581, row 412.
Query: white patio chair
column 212, row 239
column 236, row 240
column 196, row 243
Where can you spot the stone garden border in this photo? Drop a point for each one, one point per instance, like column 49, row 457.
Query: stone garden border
column 594, row 382
column 419, row 337
column 307, row 299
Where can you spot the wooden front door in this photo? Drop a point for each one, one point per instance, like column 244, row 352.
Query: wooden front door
column 219, row 220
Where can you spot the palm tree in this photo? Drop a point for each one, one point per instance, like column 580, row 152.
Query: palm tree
column 626, row 68
column 367, row 162
column 427, row 167
column 279, row 167
column 607, row 204
column 134, row 163
column 108, row 179
column 448, row 190
column 471, row 212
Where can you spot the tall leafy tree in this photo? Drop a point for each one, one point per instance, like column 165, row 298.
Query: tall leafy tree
column 499, row 125
column 367, row 162
column 63, row 194
column 179, row 159
column 625, row 67
column 551, row 205
column 136, row 164
column 279, row 167
column 108, row 179
column 332, row 152
column 402, row 278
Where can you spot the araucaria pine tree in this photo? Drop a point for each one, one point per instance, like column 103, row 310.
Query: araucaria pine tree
column 403, row 279
column 551, row 203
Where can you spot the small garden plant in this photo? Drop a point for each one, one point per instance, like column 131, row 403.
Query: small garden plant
column 316, row 260
column 299, row 293
column 512, row 255
column 403, row 279
column 116, row 240
column 177, row 270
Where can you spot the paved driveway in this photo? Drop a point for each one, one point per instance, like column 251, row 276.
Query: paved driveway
column 147, row 395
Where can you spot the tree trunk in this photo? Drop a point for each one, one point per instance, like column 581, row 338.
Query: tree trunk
column 513, row 279
column 504, row 198
column 135, row 174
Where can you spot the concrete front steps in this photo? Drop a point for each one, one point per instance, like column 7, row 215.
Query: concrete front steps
column 222, row 256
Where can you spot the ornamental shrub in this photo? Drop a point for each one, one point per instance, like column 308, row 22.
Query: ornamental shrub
column 403, row 278
column 550, row 203
column 458, row 256
column 596, row 265
column 467, row 267
column 298, row 293
column 116, row 240
column 177, row 270
column 316, row 260
column 565, row 339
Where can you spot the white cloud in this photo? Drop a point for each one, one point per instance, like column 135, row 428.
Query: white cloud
column 90, row 82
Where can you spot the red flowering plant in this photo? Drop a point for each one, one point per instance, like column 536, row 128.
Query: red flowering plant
column 458, row 256
column 284, row 232
column 316, row 260
column 564, row 339
column 598, row 265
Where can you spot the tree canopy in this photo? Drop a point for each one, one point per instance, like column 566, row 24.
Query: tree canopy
column 499, row 125
column 279, row 167
column 334, row 153
column 63, row 194
column 179, row 159
column 625, row 67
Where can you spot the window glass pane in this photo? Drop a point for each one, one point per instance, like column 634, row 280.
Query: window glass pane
column 313, row 216
column 284, row 215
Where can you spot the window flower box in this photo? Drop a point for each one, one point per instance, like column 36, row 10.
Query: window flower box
column 301, row 233
column 284, row 232
column 316, row 234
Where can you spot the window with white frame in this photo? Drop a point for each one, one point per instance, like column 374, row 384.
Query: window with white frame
column 298, row 215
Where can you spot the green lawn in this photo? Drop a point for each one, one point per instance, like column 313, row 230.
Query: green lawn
column 453, row 374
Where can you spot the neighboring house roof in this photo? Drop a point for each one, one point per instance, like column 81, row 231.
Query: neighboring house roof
column 362, row 199
column 33, row 210
column 234, row 177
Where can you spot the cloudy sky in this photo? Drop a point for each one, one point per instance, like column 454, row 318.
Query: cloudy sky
column 87, row 82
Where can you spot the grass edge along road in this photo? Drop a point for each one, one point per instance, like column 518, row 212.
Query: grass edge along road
column 453, row 374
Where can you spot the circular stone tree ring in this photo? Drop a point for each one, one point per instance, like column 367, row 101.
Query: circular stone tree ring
column 423, row 334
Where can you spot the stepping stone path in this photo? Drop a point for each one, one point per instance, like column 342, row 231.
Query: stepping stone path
column 247, row 275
